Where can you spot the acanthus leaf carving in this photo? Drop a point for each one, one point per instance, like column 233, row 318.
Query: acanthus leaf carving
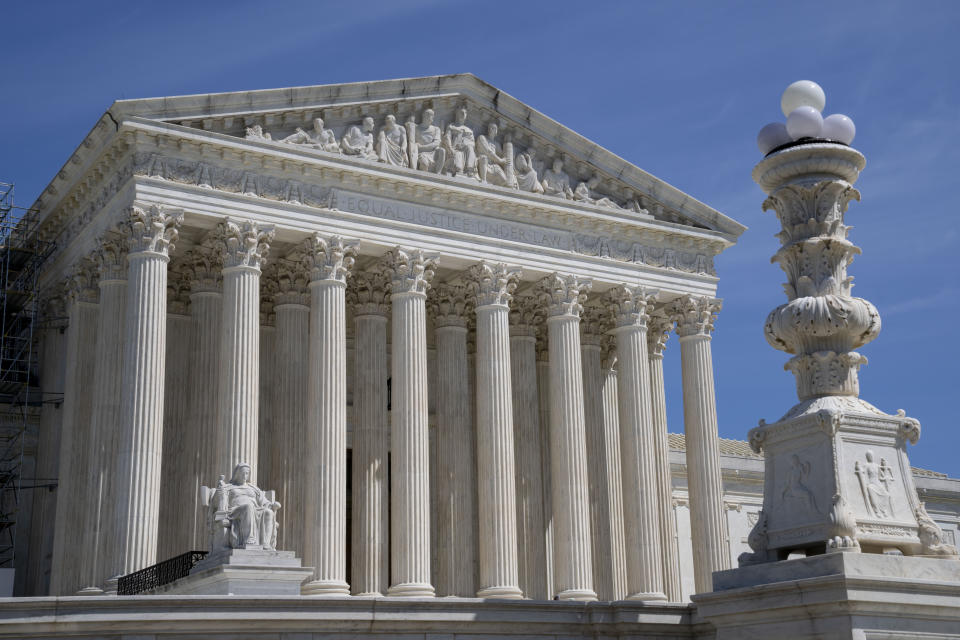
column 450, row 305
column 563, row 295
column 369, row 293
column 492, row 284
column 328, row 258
column 152, row 229
column 243, row 243
column 411, row 270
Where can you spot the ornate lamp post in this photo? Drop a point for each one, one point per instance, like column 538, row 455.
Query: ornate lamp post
column 837, row 477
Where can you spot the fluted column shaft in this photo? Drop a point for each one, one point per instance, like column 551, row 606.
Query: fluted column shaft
column 531, row 550
column 370, row 573
column 290, row 417
column 77, row 409
column 492, row 286
column 105, row 419
column 669, row 552
column 329, row 261
column 455, row 475
column 239, row 410
column 573, row 565
column 543, row 406
column 641, row 515
column 139, row 452
column 611, row 429
column 710, row 542
column 409, row 436
column 178, row 496
column 206, row 314
column 597, row 471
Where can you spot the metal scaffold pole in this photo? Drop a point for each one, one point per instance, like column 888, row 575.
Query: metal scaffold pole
column 22, row 253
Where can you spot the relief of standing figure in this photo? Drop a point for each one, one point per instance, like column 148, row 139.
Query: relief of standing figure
column 426, row 153
column 392, row 143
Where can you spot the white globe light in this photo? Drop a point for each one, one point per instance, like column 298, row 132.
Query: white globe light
column 802, row 93
column 772, row 136
column 839, row 127
column 804, row 122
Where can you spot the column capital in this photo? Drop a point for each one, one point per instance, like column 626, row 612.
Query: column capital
column 563, row 295
column 659, row 327
column 291, row 284
column 450, row 305
column 411, row 270
column 492, row 284
column 629, row 304
column 526, row 315
column 594, row 324
column 81, row 284
column 152, row 229
column 694, row 315
column 111, row 256
column 609, row 347
column 243, row 243
column 268, row 291
column 328, row 258
column 178, row 290
column 204, row 267
column 369, row 293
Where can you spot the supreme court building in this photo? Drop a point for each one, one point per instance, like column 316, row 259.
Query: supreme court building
column 428, row 316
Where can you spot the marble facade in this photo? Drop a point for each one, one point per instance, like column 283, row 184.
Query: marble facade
column 430, row 317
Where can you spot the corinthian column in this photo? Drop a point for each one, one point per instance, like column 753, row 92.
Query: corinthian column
column 411, row 272
column 243, row 245
column 572, row 564
column 291, row 305
column 151, row 234
column 329, row 260
column 369, row 293
column 531, row 551
column 711, row 551
column 628, row 306
column 492, row 287
column 111, row 258
column 593, row 325
column 543, row 406
column 80, row 359
column 456, row 543
column 611, row 430
column 658, row 332
column 204, row 267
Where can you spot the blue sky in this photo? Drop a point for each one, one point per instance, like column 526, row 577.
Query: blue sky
column 679, row 89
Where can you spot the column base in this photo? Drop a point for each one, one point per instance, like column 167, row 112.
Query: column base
column 90, row 591
column 328, row 588
column 583, row 595
column 110, row 586
column 502, row 593
column 368, row 594
column 653, row 596
column 411, row 590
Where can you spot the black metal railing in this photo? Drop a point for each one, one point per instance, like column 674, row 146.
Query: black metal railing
column 159, row 574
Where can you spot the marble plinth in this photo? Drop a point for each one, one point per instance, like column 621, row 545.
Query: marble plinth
column 246, row 572
column 833, row 596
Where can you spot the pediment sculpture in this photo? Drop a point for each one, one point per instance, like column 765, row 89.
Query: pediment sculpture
column 455, row 150
column 240, row 515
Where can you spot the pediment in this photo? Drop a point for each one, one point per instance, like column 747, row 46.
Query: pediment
column 527, row 151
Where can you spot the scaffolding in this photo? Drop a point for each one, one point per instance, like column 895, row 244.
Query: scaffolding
column 22, row 253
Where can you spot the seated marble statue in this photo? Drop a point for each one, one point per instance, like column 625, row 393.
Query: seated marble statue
column 494, row 165
column 526, row 175
column 460, row 145
column 392, row 143
column 426, row 153
column 320, row 138
column 357, row 142
column 556, row 182
column 256, row 132
column 246, row 510
column 583, row 194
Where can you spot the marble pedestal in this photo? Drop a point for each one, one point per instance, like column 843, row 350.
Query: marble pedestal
column 832, row 596
column 247, row 572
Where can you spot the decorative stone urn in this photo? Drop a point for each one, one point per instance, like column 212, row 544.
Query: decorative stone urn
column 837, row 477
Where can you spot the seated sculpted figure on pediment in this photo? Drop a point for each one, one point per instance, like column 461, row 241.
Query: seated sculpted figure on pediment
column 359, row 142
column 556, row 182
column 392, row 143
column 583, row 193
column 526, row 175
column 320, row 138
column 495, row 164
column 461, row 145
column 240, row 515
column 426, row 152
column 256, row 132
